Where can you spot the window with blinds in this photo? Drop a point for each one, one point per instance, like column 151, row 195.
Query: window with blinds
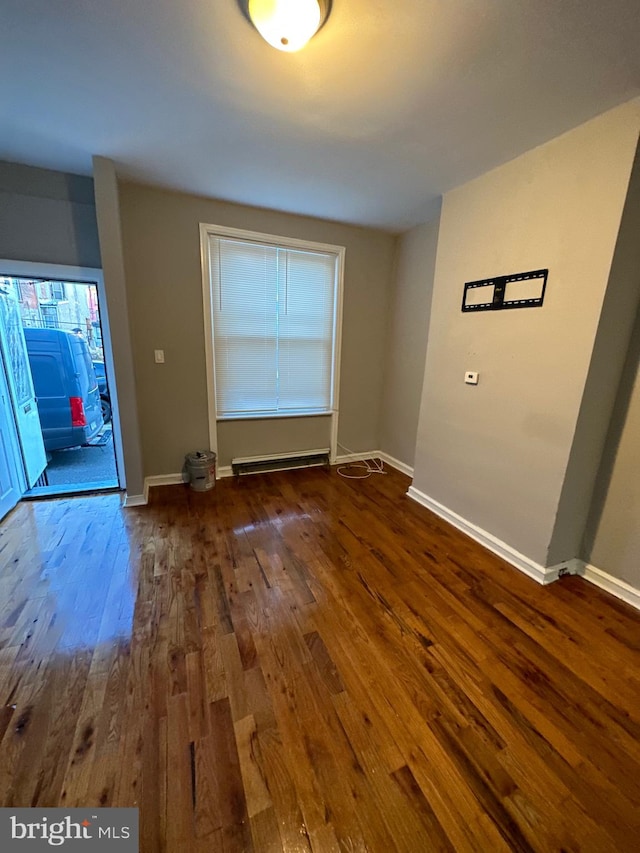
column 274, row 312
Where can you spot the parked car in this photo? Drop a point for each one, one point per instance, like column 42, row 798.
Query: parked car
column 105, row 398
column 66, row 387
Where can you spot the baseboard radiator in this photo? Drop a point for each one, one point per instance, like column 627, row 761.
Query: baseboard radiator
column 281, row 462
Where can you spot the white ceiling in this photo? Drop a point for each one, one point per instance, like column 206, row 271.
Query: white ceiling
column 390, row 105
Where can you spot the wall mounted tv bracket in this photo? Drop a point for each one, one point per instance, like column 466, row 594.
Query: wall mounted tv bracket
column 521, row 290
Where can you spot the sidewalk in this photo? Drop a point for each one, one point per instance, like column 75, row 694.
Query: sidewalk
column 91, row 468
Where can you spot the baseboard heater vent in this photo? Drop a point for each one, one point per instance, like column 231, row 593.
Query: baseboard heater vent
column 261, row 464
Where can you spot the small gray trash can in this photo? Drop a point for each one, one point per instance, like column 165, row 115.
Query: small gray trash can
column 201, row 470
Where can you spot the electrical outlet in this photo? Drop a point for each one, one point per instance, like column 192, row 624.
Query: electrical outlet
column 471, row 377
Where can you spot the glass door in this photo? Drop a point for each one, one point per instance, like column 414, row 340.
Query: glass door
column 25, row 407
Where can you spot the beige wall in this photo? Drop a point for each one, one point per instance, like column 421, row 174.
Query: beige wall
column 497, row 453
column 47, row 217
column 127, row 432
column 272, row 437
column 607, row 361
column 162, row 261
column 612, row 540
column 407, row 340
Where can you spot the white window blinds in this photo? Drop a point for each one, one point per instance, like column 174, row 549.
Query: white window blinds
column 274, row 314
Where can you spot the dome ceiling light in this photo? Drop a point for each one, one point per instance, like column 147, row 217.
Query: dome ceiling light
column 286, row 24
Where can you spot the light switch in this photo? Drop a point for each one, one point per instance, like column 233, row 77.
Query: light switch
column 159, row 356
column 471, row 377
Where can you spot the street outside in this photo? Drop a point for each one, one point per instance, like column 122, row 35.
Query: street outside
column 83, row 465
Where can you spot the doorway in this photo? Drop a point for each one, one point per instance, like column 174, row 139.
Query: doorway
column 54, row 345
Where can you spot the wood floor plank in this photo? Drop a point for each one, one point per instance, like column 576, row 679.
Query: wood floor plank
column 300, row 662
column 252, row 766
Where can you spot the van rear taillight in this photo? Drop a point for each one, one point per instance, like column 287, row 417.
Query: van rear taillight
column 78, row 417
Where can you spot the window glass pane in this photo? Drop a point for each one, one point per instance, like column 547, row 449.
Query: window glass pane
column 245, row 326
column 16, row 349
column 273, row 324
column 57, row 290
column 306, row 330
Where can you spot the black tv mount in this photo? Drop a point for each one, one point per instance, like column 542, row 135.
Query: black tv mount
column 505, row 291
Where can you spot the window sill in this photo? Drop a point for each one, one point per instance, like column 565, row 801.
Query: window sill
column 273, row 415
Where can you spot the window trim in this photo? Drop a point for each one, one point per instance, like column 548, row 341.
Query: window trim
column 211, row 230
column 54, row 283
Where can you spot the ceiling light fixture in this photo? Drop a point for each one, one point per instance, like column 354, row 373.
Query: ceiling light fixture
column 287, row 24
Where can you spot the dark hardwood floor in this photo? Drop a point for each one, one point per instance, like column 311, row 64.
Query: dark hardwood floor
column 301, row 662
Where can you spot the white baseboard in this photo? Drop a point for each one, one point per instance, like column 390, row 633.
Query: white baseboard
column 543, row 575
column 166, row 480
column 223, row 471
column 156, row 480
column 346, row 458
column 573, row 566
column 396, row 463
column 621, row 589
column 134, row 500
column 539, row 573
column 163, row 480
